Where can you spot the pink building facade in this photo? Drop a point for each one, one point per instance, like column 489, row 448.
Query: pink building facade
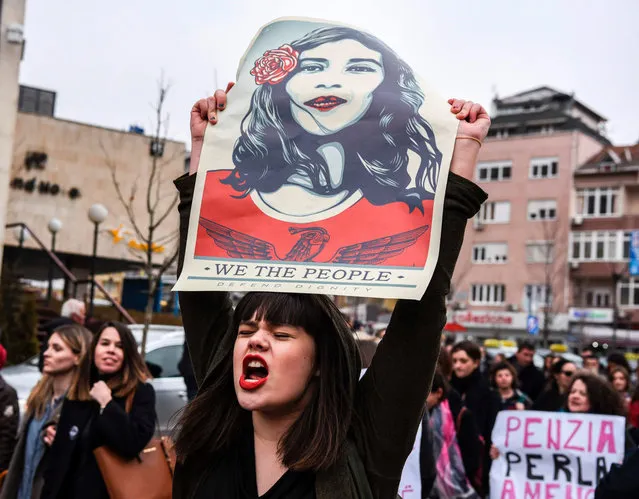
column 514, row 262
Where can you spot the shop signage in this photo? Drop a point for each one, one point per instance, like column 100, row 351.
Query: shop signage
column 483, row 319
column 598, row 315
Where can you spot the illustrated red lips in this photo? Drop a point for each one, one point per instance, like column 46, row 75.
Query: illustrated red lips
column 254, row 372
column 325, row 103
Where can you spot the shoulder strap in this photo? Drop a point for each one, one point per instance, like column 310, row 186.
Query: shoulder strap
column 459, row 418
column 128, row 404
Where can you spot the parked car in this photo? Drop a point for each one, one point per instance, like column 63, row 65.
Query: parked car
column 164, row 350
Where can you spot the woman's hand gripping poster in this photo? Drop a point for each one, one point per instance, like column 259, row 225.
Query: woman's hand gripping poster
column 326, row 173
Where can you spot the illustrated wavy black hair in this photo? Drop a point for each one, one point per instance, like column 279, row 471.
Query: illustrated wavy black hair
column 272, row 146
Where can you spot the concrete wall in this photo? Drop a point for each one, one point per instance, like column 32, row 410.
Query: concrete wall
column 79, row 156
column 10, row 55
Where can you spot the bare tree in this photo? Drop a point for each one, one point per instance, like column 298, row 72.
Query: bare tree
column 552, row 255
column 152, row 238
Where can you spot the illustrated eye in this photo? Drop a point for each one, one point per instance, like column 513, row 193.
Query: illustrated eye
column 312, row 68
column 359, row 68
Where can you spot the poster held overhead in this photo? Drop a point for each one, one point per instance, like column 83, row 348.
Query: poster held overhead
column 327, row 173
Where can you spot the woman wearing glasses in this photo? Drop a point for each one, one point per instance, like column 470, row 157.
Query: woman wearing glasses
column 554, row 397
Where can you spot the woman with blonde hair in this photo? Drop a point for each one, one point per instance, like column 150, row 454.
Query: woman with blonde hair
column 65, row 363
column 116, row 410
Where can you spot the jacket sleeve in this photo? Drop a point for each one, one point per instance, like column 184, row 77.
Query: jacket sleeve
column 469, row 445
column 128, row 434
column 621, row 481
column 9, row 421
column 427, row 465
column 206, row 315
column 391, row 395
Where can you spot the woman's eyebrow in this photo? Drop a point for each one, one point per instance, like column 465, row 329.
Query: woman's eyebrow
column 250, row 323
column 365, row 60
column 314, row 59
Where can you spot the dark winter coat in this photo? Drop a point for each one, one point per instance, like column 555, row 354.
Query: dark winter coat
column 13, row 480
column 622, row 481
column 9, row 421
column 482, row 402
column 391, row 393
column 531, row 379
column 468, row 439
column 74, row 473
column 550, row 400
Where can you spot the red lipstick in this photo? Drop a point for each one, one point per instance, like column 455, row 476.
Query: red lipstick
column 254, row 372
column 325, row 103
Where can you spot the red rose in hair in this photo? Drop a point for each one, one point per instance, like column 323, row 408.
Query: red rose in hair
column 275, row 65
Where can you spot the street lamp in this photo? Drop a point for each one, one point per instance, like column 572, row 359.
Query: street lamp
column 22, row 234
column 97, row 214
column 54, row 227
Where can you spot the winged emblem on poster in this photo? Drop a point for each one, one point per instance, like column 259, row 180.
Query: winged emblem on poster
column 310, row 244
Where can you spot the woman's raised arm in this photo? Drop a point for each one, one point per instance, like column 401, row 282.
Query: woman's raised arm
column 391, row 396
column 206, row 315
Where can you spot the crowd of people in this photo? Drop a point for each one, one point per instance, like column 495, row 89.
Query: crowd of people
column 93, row 393
column 281, row 407
column 471, row 387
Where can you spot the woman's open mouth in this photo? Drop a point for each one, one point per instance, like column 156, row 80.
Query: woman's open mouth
column 254, row 372
column 325, row 103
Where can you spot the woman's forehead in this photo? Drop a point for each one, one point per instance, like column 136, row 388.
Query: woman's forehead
column 341, row 51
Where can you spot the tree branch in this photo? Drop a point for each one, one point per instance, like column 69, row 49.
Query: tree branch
column 168, row 212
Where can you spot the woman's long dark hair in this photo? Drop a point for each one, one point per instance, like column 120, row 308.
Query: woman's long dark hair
column 214, row 420
column 273, row 146
column 504, row 366
column 134, row 369
column 603, row 398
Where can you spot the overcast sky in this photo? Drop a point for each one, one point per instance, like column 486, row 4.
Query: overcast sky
column 104, row 58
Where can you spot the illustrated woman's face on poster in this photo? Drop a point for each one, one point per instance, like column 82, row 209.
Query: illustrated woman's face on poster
column 333, row 87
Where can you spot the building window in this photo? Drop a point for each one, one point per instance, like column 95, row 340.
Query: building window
column 36, row 100
column 490, row 253
column 598, row 202
column 599, row 298
column 540, row 252
column 539, row 295
column 599, row 246
column 542, row 210
column 496, row 212
column 544, row 168
column 628, row 293
column 494, row 171
column 488, row 294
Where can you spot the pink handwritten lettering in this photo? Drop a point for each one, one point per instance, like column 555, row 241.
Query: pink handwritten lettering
column 508, row 491
column 550, row 490
column 407, row 490
column 606, row 437
column 568, row 445
column 509, row 427
column 529, row 493
column 556, row 443
column 528, row 433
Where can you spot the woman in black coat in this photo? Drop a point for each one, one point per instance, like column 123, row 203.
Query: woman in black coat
column 474, row 390
column 120, row 414
column 477, row 396
column 554, row 396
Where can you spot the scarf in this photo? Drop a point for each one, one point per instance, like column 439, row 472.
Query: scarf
column 451, row 481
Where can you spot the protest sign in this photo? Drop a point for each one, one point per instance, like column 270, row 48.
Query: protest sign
column 326, row 172
column 546, row 455
column 410, row 485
